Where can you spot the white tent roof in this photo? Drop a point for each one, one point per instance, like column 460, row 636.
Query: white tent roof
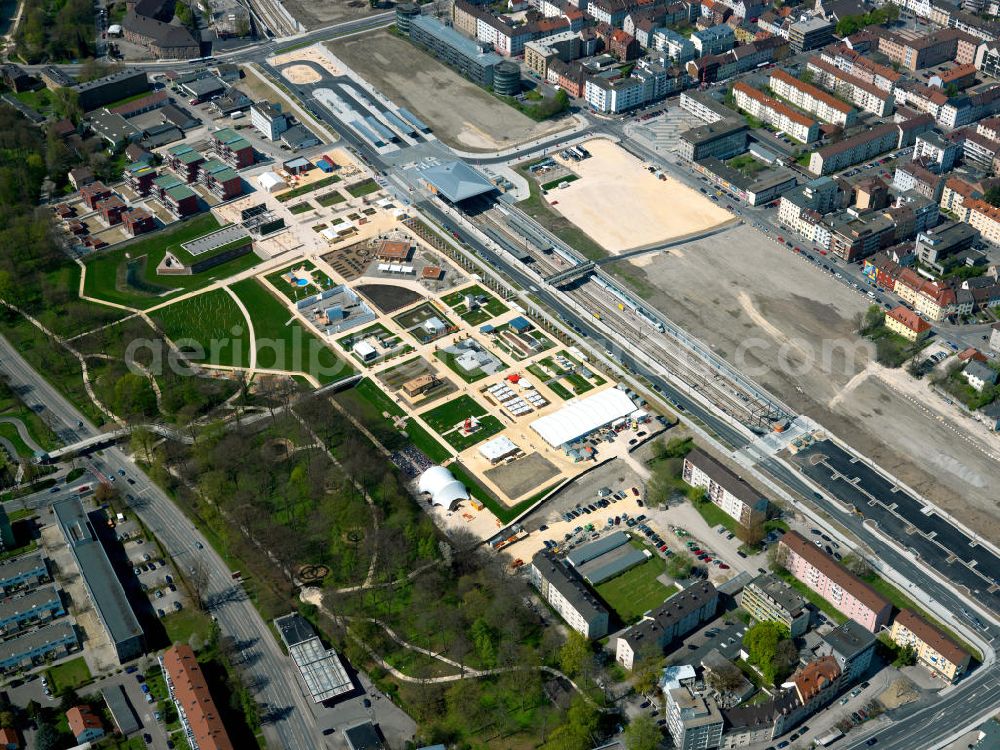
column 443, row 488
column 269, row 180
column 497, row 448
column 583, row 417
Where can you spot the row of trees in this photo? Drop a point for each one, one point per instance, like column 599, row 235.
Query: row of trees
column 848, row 25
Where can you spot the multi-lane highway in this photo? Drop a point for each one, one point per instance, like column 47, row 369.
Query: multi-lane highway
column 293, row 725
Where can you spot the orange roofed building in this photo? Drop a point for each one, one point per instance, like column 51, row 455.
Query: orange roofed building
column 194, row 702
column 906, row 323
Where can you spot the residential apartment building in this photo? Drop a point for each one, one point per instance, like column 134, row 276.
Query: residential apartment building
column 269, row 120
column 932, row 299
column 852, row 647
column 38, row 605
column 967, row 108
column 103, row 588
column 935, row 151
column 679, row 49
column 737, row 498
column 906, row 323
column 714, row 40
column 955, row 194
column 938, row 247
column 565, row 591
column 934, row 649
column 189, row 691
column 984, row 217
column 774, row 113
column 856, row 64
column 538, row 54
column 813, row 100
column 913, row 176
column 221, row 180
column 111, row 88
column 868, row 144
column 712, row 68
column 914, row 51
column 232, row 148
column 863, row 94
column 694, row 721
column 810, row 33
column 612, row 94
column 23, row 571
column 47, row 643
column 845, row 591
column 704, row 107
column 767, row 598
column 675, row 618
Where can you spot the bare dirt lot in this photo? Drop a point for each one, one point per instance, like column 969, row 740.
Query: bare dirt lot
column 312, row 15
column 791, row 327
column 613, row 185
column 520, row 477
column 459, row 112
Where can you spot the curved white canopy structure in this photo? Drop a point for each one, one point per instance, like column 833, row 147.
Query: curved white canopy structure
column 443, row 488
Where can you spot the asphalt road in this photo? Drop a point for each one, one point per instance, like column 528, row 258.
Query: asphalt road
column 293, row 725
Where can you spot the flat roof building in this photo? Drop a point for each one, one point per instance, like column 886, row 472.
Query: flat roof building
column 584, row 416
column 121, row 710
column 320, row 668
column 851, row 646
column 103, row 587
column 721, row 139
column 694, row 722
column 563, row 588
column 467, row 56
column 767, row 598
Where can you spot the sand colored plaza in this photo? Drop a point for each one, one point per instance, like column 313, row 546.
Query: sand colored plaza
column 300, row 74
column 315, row 53
column 622, row 206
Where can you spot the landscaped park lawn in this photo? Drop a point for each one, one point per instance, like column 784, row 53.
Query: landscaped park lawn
column 442, row 419
column 213, row 319
column 282, row 342
column 108, row 275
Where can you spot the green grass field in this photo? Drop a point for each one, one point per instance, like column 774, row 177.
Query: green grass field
column 447, row 415
column 363, row 188
column 213, row 320
column 488, row 427
column 331, row 199
column 69, row 674
column 487, row 311
column 9, row 431
column 636, row 591
column 285, row 345
column 301, row 208
column 304, row 189
column 107, row 272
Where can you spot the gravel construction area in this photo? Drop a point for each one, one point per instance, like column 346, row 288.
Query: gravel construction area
column 613, row 185
column 457, row 111
column 519, row 477
column 313, row 15
column 790, row 326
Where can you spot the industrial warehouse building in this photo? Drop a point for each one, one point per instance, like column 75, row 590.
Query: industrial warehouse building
column 606, row 558
column 103, row 587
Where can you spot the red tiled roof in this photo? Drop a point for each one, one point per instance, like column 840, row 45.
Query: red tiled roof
column 774, row 104
column 811, row 90
column 909, row 319
column 82, row 718
column 191, row 692
column 815, row 677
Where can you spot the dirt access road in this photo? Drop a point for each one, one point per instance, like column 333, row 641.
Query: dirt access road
column 791, row 327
